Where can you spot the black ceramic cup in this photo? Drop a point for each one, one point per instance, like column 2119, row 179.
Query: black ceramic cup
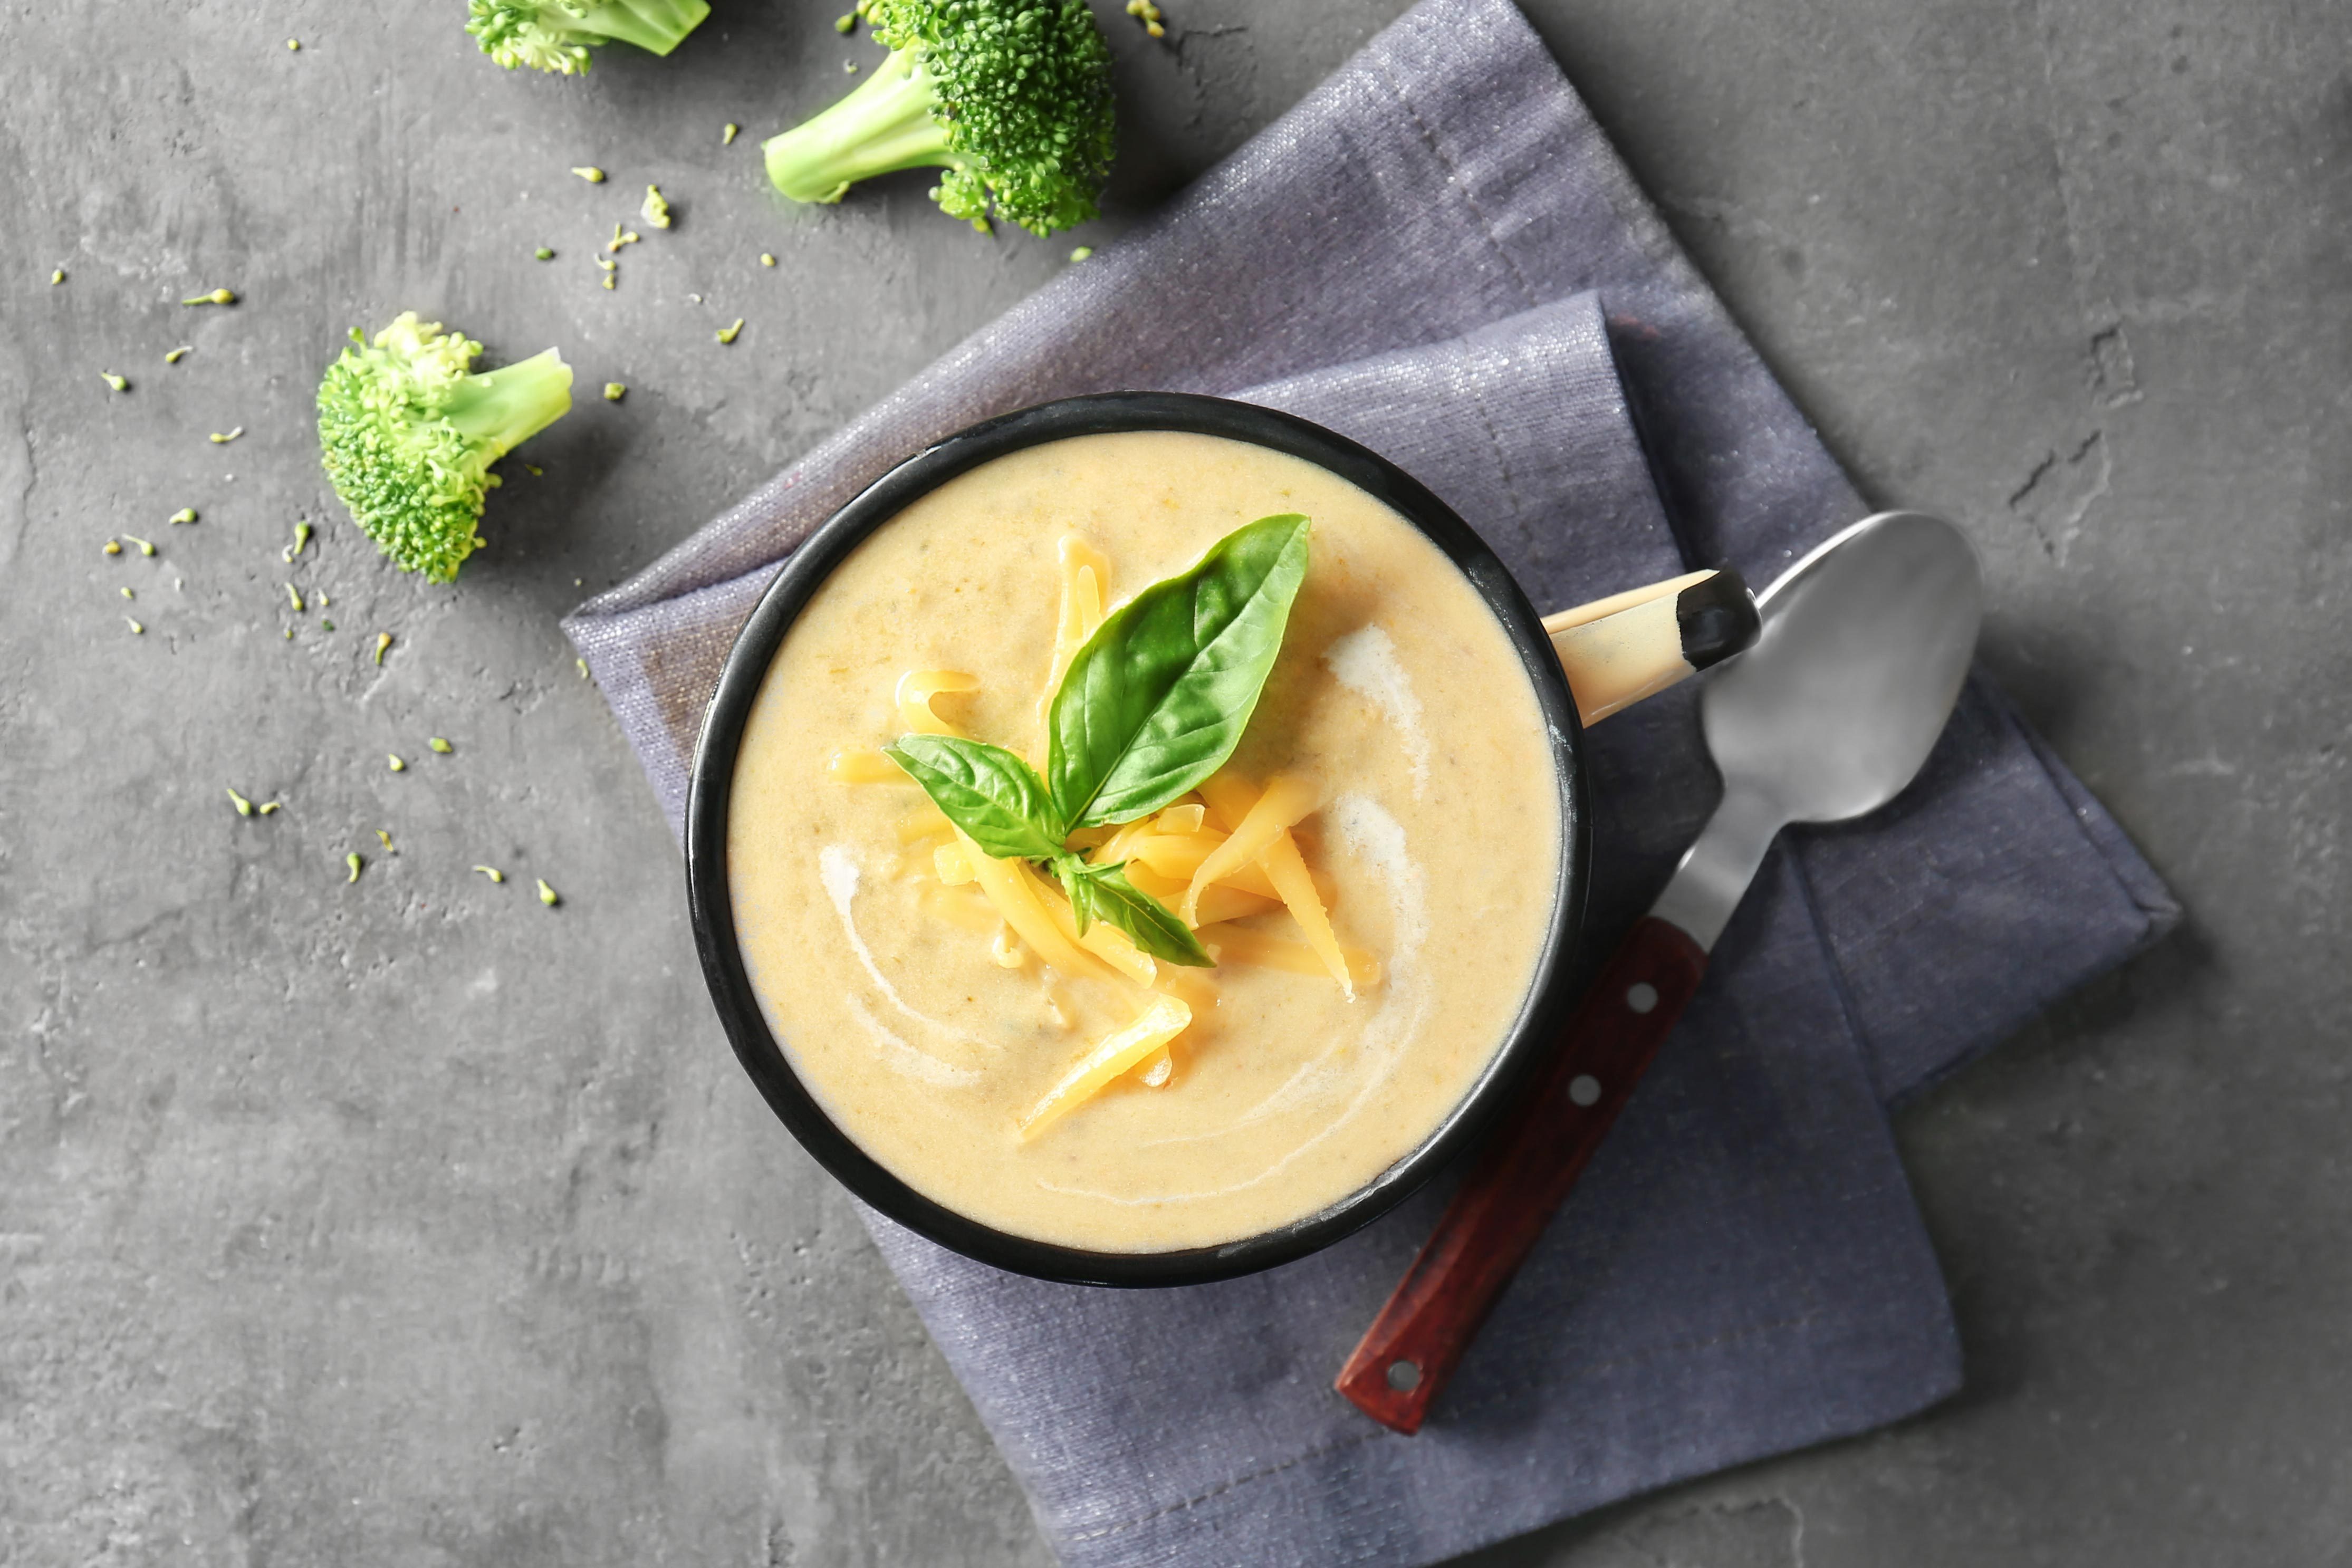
column 1542, row 1015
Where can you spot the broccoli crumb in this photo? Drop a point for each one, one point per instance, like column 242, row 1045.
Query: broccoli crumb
column 439, row 744
column 583, row 667
column 385, row 839
column 655, row 211
column 145, row 548
column 591, row 173
column 136, row 629
column 398, row 765
column 325, row 624
column 296, row 595
column 727, row 136
column 292, row 45
column 1082, row 253
column 544, row 254
column 849, row 68
column 266, row 808
column 846, row 24
column 185, row 515
column 174, row 356
column 382, row 641
column 353, row 860
column 493, row 872
column 217, row 296
column 547, row 894
column 728, row 334
column 302, row 538
column 220, row 440
column 244, row 807
column 59, row 275
column 608, row 281
column 614, row 391
column 766, row 260
column 621, row 236
column 128, row 594
column 117, row 382
column 112, row 547
column 1145, row 12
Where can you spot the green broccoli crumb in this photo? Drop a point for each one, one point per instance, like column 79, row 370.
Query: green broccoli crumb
column 174, row 356
column 117, row 382
column 127, row 593
column 728, row 334
column 728, row 133
column 543, row 254
column 398, row 765
column 655, row 211
column 353, row 860
column 136, row 629
column 220, row 440
column 59, row 275
column 493, row 872
column 382, row 641
column 591, row 173
column 547, row 894
column 145, row 548
column 217, row 296
column 244, row 807
column 266, row 808
column 111, row 547
column 439, row 744
column 614, row 391
column 1082, row 253
column 185, row 515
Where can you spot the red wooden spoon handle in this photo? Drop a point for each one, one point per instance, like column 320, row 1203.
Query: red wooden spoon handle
column 1533, row 1159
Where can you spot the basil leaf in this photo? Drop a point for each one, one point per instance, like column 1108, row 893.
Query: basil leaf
column 993, row 795
column 1103, row 893
column 1158, row 697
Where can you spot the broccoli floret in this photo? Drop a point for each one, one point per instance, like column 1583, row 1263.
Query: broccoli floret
column 556, row 35
column 1010, row 99
column 409, row 434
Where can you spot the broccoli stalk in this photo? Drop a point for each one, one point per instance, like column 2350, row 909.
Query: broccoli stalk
column 1009, row 99
column 556, row 35
column 408, row 434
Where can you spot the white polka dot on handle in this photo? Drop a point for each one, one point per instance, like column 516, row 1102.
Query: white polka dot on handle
column 1642, row 996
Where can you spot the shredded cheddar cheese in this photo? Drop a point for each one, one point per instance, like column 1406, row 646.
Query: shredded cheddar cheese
column 861, row 765
column 915, row 690
column 1086, row 589
column 1286, row 800
column 1114, row 1054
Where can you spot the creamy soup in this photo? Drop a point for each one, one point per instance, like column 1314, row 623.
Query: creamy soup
column 929, row 1031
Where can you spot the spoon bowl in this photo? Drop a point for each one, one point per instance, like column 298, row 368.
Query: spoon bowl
column 1863, row 646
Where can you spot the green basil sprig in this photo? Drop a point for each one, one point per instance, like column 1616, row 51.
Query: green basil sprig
column 1153, row 703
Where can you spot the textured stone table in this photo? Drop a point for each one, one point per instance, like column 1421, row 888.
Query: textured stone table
column 408, row 1222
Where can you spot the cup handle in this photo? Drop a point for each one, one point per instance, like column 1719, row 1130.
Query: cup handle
column 1618, row 650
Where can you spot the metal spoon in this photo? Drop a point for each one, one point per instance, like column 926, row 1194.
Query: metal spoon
column 1863, row 647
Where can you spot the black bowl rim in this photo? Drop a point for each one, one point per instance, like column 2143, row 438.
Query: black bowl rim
column 1542, row 1016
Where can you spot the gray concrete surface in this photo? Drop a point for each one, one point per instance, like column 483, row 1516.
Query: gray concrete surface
column 410, row 1223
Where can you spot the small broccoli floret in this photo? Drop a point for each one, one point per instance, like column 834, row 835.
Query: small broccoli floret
column 1010, row 99
column 556, row 35
column 409, row 434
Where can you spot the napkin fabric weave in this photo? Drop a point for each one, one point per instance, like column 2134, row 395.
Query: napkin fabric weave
column 1438, row 254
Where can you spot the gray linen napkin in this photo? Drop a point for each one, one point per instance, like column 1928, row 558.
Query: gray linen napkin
column 1435, row 253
